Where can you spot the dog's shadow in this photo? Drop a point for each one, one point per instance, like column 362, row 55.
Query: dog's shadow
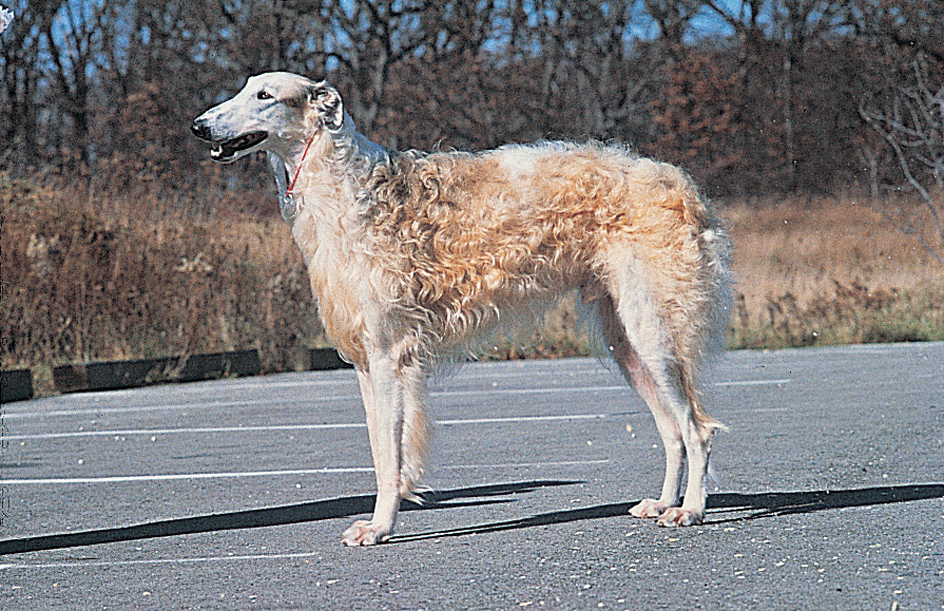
column 722, row 507
column 271, row 516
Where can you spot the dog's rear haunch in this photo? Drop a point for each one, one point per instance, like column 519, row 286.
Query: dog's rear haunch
column 418, row 258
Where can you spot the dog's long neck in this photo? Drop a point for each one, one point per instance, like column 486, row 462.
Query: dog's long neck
column 351, row 148
column 321, row 210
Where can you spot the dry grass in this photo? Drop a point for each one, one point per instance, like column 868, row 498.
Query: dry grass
column 92, row 276
column 829, row 271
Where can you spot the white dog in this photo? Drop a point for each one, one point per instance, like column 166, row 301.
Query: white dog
column 416, row 258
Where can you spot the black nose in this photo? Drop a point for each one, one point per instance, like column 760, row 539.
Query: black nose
column 200, row 129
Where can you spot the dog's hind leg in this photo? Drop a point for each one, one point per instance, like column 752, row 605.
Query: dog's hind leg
column 639, row 377
column 636, row 341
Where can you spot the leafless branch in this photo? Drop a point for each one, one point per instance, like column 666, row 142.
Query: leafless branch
column 911, row 122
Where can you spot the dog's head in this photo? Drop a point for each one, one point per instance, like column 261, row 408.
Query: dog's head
column 276, row 112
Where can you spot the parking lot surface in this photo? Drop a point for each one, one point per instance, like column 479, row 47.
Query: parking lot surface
column 828, row 493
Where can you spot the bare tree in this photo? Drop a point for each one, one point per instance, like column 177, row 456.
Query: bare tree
column 673, row 17
column 798, row 23
column 579, row 56
column 911, row 25
column 19, row 58
column 73, row 38
column 114, row 82
column 911, row 121
column 366, row 38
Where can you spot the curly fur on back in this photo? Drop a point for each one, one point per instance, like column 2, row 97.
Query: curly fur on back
column 457, row 241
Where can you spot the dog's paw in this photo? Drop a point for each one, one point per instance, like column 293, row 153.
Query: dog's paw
column 365, row 532
column 676, row 516
column 648, row 508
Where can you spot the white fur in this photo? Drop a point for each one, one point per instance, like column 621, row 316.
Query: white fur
column 416, row 258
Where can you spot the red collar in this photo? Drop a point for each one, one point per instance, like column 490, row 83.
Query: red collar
column 298, row 170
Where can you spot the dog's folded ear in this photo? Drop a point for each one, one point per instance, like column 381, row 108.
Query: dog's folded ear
column 327, row 101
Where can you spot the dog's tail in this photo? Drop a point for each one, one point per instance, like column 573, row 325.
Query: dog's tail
column 714, row 300
column 715, row 246
column 706, row 425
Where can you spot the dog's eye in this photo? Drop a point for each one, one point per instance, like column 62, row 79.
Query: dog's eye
column 264, row 95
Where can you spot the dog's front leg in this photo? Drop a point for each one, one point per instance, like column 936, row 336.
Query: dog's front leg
column 383, row 401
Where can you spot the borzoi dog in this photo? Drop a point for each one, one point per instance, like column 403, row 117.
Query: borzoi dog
column 416, row 259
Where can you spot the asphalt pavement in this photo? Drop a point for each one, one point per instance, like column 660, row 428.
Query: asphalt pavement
column 828, row 493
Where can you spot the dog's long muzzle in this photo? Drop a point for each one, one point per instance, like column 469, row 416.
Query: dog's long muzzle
column 230, row 149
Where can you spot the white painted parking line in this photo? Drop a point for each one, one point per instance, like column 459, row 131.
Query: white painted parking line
column 349, row 397
column 528, row 465
column 526, row 419
column 124, row 479
column 196, row 431
column 112, row 563
column 754, row 382
column 289, row 427
column 93, row 411
column 267, row 383
column 321, row 399
column 527, row 391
